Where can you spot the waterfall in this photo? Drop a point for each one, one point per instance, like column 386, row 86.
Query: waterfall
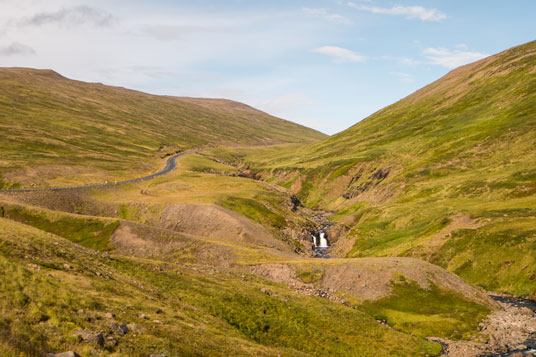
column 323, row 241
column 319, row 239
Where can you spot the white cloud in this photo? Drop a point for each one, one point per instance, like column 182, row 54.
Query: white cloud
column 16, row 48
column 72, row 16
column 340, row 54
column 411, row 12
column 325, row 14
column 451, row 58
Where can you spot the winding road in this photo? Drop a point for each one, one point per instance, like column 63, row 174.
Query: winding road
column 171, row 164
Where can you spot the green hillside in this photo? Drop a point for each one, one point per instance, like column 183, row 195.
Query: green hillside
column 58, row 291
column 447, row 174
column 53, row 128
column 215, row 258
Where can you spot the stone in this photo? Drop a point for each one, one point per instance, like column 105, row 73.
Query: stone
column 91, row 337
column 264, row 291
column 109, row 315
column 157, row 355
column 135, row 328
column 159, row 311
column 526, row 311
column 157, row 322
column 143, row 316
column 121, row 329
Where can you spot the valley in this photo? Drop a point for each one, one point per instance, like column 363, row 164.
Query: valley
column 423, row 214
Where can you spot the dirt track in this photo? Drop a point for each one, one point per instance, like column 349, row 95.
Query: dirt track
column 171, row 164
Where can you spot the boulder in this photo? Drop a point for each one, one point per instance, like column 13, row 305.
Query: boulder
column 135, row 328
column 121, row 329
column 91, row 337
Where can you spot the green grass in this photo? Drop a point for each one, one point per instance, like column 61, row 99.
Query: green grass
column 310, row 276
column 427, row 312
column 254, row 210
column 461, row 146
column 42, row 298
column 88, row 232
column 494, row 256
column 109, row 133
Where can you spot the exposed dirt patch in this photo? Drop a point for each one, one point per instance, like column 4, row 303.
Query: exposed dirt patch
column 342, row 247
column 218, row 222
column 371, row 278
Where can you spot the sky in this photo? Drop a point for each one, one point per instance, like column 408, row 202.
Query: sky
column 324, row 64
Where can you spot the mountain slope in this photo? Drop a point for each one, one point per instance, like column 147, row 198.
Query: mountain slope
column 90, row 131
column 58, row 290
column 447, row 174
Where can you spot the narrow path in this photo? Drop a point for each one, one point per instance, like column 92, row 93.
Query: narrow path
column 171, row 164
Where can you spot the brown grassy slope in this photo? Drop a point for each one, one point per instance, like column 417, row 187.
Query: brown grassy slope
column 53, row 122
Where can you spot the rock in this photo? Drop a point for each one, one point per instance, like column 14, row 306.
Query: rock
column 525, row 311
column 157, row 355
column 91, row 337
column 65, row 354
column 157, row 322
column 143, row 316
column 109, row 315
column 119, row 329
column 135, row 328
column 264, row 291
column 159, row 311
column 67, row 266
column 94, row 352
column 295, row 203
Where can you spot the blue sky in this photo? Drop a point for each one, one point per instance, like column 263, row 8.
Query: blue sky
column 325, row 64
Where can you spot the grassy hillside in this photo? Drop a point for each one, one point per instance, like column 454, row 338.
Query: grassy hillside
column 169, row 244
column 447, row 174
column 71, row 130
column 209, row 260
column 58, row 290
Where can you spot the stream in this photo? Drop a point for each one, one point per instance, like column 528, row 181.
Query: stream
column 523, row 306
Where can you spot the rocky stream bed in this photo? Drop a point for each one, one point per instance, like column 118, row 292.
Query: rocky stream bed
column 511, row 331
